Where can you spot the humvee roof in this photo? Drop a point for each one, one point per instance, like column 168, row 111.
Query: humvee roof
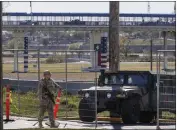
column 127, row 72
column 142, row 72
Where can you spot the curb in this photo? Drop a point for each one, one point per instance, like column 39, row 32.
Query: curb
column 99, row 119
column 114, row 119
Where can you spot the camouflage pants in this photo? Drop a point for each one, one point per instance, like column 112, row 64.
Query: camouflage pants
column 46, row 105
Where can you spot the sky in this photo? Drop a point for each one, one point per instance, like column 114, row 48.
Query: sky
column 90, row 7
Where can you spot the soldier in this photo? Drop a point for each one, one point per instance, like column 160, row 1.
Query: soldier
column 46, row 91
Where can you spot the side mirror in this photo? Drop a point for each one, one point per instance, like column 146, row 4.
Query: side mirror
column 161, row 83
column 100, row 81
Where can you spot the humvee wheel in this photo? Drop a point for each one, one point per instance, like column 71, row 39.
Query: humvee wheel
column 130, row 112
column 86, row 113
column 146, row 117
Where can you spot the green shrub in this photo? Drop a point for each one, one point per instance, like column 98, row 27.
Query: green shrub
column 72, row 106
column 64, row 93
column 55, row 59
column 64, row 102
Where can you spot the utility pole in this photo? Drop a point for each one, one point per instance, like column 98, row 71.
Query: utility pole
column 1, row 87
column 175, row 7
column 148, row 8
column 114, row 60
column 31, row 10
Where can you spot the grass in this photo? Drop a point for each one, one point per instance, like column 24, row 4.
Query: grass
column 73, row 70
column 76, row 67
column 28, row 105
column 168, row 115
column 59, row 67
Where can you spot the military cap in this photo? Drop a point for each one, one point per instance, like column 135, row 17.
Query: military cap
column 47, row 72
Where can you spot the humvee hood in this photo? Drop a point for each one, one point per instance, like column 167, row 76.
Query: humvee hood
column 126, row 88
column 99, row 88
column 111, row 88
column 115, row 89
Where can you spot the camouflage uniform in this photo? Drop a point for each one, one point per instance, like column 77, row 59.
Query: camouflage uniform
column 45, row 102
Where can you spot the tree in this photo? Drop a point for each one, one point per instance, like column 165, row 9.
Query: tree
column 75, row 46
column 124, row 46
column 19, row 42
column 45, row 41
column 78, row 35
column 11, row 44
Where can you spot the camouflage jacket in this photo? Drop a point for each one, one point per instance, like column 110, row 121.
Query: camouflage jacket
column 51, row 86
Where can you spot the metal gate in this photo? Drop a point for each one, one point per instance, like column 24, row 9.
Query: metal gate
column 166, row 87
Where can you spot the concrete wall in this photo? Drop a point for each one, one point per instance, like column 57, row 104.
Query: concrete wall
column 31, row 85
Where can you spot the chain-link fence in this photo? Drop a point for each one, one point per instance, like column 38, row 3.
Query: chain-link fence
column 67, row 70
column 22, row 84
column 166, row 87
column 138, row 57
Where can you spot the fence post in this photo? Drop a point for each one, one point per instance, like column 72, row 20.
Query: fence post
column 157, row 58
column 15, row 59
column 38, row 65
column 1, row 72
column 18, row 86
column 66, row 85
column 95, row 95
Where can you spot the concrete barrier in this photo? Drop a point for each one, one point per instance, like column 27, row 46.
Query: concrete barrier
column 32, row 85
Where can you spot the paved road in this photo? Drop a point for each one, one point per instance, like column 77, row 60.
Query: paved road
column 21, row 123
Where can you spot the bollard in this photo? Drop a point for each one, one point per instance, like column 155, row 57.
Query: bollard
column 57, row 104
column 8, row 104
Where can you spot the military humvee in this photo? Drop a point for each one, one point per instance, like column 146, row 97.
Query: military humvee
column 130, row 94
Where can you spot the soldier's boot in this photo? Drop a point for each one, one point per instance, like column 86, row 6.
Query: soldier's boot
column 53, row 125
column 40, row 125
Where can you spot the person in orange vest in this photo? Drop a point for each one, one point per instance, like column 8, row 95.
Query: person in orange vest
column 46, row 93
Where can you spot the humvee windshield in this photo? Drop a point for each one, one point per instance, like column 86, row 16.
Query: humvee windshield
column 125, row 79
column 114, row 79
